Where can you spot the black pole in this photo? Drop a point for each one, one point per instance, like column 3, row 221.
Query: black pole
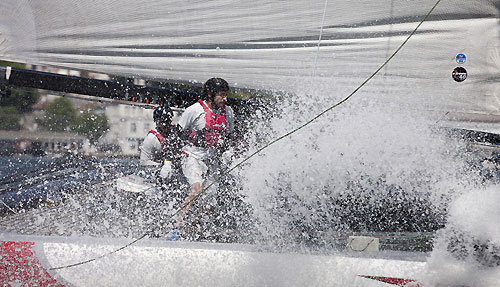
column 94, row 87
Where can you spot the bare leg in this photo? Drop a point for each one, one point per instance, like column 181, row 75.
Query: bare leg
column 196, row 189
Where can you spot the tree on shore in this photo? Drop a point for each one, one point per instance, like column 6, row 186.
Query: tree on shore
column 9, row 119
column 91, row 125
column 20, row 98
column 14, row 102
column 59, row 115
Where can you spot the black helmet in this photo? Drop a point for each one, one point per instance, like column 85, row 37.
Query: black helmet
column 162, row 114
column 213, row 85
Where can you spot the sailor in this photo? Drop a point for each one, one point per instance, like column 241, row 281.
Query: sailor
column 159, row 149
column 207, row 127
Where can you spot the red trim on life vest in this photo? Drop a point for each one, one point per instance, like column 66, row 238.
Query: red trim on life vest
column 160, row 138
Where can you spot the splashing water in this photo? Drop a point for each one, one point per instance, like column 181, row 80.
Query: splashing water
column 367, row 165
column 467, row 251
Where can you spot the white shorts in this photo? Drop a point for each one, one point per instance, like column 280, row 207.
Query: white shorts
column 195, row 170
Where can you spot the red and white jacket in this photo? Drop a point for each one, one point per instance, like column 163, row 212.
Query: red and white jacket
column 215, row 126
column 152, row 148
column 198, row 119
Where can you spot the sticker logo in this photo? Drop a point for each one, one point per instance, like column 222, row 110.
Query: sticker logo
column 459, row 74
column 461, row 58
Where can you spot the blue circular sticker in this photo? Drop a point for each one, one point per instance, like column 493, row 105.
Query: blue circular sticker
column 460, row 58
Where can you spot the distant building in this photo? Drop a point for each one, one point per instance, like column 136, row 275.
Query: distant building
column 128, row 127
column 128, row 124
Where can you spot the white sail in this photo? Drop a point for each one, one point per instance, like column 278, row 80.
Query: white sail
column 274, row 45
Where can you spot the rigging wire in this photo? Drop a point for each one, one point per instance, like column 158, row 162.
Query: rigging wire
column 319, row 40
column 8, row 207
column 187, row 203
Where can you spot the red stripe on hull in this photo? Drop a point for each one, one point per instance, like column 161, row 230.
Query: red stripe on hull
column 20, row 266
column 394, row 281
